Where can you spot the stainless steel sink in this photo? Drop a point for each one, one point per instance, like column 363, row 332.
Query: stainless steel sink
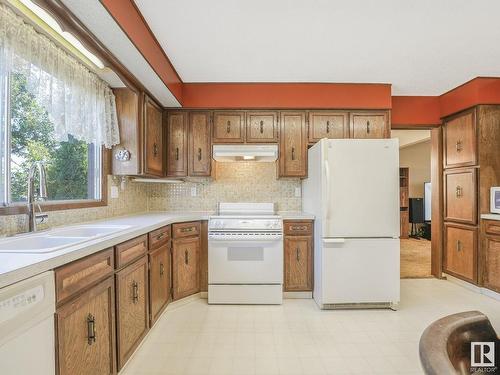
column 57, row 239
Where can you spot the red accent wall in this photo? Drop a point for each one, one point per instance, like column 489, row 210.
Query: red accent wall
column 415, row 111
column 133, row 24
column 286, row 95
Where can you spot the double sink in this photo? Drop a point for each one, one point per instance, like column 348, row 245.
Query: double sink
column 57, row 239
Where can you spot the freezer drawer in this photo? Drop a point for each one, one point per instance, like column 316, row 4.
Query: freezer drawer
column 355, row 271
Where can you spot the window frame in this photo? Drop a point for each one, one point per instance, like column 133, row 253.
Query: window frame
column 19, row 208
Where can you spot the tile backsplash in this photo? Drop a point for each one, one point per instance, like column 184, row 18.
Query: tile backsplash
column 233, row 182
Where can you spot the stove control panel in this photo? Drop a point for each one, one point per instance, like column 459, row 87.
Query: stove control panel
column 243, row 223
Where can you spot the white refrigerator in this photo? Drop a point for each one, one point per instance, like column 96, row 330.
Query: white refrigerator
column 353, row 191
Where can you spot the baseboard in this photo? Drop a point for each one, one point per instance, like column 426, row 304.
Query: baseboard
column 474, row 288
column 183, row 301
column 297, row 295
column 204, row 295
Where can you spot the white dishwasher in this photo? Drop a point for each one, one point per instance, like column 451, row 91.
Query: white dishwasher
column 27, row 326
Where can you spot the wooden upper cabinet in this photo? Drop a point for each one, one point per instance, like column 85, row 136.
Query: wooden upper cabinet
column 369, row 125
column 185, row 266
column 85, row 329
column 460, row 140
column 328, row 124
column 177, row 144
column 200, row 145
column 229, row 127
column 262, row 127
column 460, row 195
column 131, row 308
column 153, row 138
column 159, row 281
column 293, row 145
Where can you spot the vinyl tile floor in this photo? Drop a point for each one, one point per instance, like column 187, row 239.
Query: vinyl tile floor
column 298, row 338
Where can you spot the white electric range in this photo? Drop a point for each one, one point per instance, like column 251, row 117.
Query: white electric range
column 245, row 254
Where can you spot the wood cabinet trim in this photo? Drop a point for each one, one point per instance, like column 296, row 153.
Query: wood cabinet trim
column 76, row 277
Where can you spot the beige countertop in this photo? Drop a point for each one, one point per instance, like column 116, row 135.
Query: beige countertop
column 15, row 267
column 490, row 216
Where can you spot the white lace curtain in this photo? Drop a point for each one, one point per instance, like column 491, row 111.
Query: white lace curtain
column 78, row 102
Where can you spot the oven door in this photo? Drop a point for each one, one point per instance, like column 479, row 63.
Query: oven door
column 243, row 261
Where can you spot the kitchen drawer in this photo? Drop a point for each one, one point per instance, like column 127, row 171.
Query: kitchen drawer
column 229, row 127
column 460, row 195
column 186, row 229
column 461, row 251
column 492, row 227
column 77, row 276
column 298, row 228
column 491, row 249
column 131, row 250
column 159, row 237
column 262, row 127
column 460, row 140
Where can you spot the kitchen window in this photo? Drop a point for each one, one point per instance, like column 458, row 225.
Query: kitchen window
column 73, row 167
column 54, row 109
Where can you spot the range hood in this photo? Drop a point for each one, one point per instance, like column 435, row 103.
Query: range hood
column 260, row 153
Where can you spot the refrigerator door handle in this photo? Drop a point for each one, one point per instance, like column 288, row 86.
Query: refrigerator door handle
column 327, row 175
column 334, row 240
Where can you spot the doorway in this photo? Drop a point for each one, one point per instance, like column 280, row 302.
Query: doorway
column 415, row 202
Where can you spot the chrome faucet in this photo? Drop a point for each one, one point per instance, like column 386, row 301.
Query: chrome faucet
column 34, row 218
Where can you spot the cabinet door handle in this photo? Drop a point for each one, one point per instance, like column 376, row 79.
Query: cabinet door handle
column 298, row 254
column 160, row 236
column 177, row 153
column 228, row 127
column 155, row 150
column 328, row 126
column 90, row 329
column 199, row 154
column 189, row 229
column 186, row 257
column 293, row 153
column 162, row 269
column 459, row 245
column 135, row 291
column 261, row 127
column 458, row 146
column 301, row 227
column 458, row 192
column 368, row 127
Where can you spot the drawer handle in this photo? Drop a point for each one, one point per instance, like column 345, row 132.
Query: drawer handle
column 293, row 153
column 298, row 254
column 162, row 269
column 368, row 127
column 135, row 292
column 160, row 236
column 91, row 329
column 459, row 192
column 328, row 126
column 177, row 153
column 186, row 257
column 184, row 230
column 302, row 227
column 199, row 154
column 261, row 127
column 458, row 146
column 155, row 150
column 228, row 127
column 459, row 245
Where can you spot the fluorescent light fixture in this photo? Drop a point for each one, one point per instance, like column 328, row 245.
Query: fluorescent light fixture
column 248, row 157
column 158, row 180
column 257, row 153
column 52, row 23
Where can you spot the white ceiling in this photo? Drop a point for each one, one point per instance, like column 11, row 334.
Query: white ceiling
column 411, row 137
column 423, row 47
column 97, row 19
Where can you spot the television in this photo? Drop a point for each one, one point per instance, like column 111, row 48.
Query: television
column 427, row 201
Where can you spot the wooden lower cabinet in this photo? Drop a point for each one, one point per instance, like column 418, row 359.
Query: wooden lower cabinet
column 460, row 257
column 491, row 248
column 298, row 263
column 85, row 329
column 131, row 308
column 185, row 266
column 298, row 255
column 159, row 281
